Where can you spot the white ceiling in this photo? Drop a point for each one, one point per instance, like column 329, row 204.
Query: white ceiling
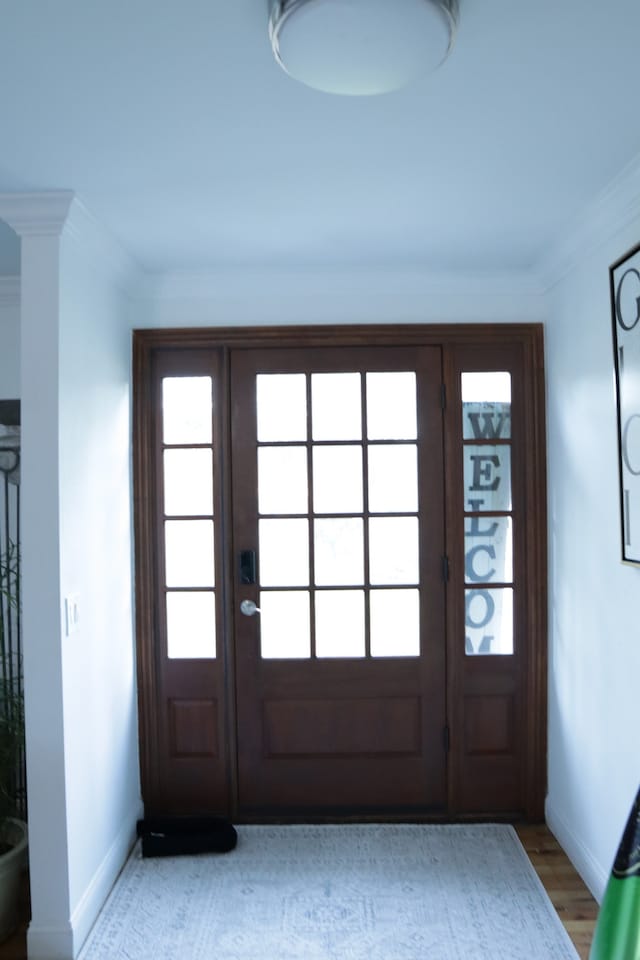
column 176, row 128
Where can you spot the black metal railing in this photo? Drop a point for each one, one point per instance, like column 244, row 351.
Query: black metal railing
column 11, row 672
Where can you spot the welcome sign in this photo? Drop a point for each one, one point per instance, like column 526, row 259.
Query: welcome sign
column 488, row 527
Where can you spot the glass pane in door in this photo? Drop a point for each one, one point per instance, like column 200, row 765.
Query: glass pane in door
column 395, row 623
column 391, row 406
column 487, row 477
column 393, row 478
column 337, row 479
column 191, row 625
column 282, row 480
column 283, row 552
column 340, row 623
column 189, row 553
column 188, row 482
column 393, row 550
column 488, row 550
column 486, row 405
column 489, row 621
column 336, row 406
column 285, row 631
column 281, row 407
column 187, row 405
column 339, row 552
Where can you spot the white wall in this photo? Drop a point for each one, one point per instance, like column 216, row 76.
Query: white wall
column 99, row 682
column 9, row 338
column 594, row 715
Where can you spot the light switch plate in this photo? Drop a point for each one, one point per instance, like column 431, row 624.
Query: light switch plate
column 71, row 613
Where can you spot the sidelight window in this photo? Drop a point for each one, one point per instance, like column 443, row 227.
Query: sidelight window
column 488, row 530
column 188, row 517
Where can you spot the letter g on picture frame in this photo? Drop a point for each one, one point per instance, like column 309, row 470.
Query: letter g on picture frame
column 625, row 310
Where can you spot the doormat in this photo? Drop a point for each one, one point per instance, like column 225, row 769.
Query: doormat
column 347, row 892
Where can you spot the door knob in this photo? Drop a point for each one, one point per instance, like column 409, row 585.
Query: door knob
column 248, row 608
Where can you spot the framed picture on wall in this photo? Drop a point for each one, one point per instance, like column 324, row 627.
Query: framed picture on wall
column 625, row 310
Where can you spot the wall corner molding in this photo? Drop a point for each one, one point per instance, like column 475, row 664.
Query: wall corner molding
column 36, row 214
column 613, row 209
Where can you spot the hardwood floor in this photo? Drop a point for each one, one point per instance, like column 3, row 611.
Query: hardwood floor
column 15, row 948
column 576, row 907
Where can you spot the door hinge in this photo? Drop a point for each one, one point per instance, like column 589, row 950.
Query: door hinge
column 443, row 396
column 446, row 738
column 445, row 568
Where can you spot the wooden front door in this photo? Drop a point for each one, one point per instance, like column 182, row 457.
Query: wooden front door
column 338, row 529
column 340, row 553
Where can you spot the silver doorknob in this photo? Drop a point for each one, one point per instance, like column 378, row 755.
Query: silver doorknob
column 248, row 608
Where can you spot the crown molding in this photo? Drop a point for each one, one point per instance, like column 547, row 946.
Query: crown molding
column 255, row 296
column 60, row 213
column 9, row 291
column 610, row 212
column 219, row 283
column 36, row 214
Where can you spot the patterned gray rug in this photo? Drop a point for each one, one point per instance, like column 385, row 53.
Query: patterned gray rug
column 355, row 892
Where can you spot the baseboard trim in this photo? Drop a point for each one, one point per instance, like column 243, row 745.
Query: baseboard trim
column 65, row 943
column 50, row 943
column 594, row 874
column 93, row 899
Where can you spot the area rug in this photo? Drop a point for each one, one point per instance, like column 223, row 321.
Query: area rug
column 352, row 892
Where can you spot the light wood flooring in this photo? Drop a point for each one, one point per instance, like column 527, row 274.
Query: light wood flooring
column 576, row 907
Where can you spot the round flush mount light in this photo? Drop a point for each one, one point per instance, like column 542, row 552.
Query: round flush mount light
column 361, row 47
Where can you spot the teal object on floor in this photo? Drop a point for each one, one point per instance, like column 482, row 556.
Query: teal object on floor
column 617, row 933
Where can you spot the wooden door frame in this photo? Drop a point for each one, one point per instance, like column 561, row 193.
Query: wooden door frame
column 528, row 339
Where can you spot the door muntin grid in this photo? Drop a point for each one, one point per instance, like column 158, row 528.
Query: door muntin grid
column 338, row 542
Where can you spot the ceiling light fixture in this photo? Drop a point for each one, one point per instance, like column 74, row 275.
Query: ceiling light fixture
column 361, row 47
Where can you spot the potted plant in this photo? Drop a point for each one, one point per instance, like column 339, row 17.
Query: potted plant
column 13, row 830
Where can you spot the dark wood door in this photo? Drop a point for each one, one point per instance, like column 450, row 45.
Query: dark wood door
column 378, row 493
column 338, row 533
